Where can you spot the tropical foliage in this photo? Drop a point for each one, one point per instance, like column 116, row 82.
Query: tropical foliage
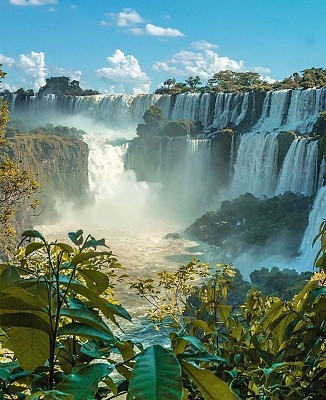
column 228, row 81
column 59, row 318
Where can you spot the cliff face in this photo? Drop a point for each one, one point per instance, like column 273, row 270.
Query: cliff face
column 61, row 166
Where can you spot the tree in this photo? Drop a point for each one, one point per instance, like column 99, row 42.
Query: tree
column 194, row 82
column 16, row 185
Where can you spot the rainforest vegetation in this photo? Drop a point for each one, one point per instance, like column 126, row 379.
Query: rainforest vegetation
column 61, row 325
column 233, row 82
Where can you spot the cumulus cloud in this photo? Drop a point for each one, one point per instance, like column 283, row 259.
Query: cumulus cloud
column 262, row 70
column 154, row 30
column 6, row 60
column 203, row 45
column 7, row 86
column 125, row 69
column 204, row 64
column 126, row 17
column 33, row 64
column 32, row 2
column 74, row 75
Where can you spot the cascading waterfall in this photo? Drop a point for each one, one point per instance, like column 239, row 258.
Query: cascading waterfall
column 322, row 173
column 316, row 217
column 282, row 109
column 299, row 170
column 255, row 169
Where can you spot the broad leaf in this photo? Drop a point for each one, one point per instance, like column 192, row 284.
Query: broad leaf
column 82, row 257
column 77, row 329
column 95, row 280
column 25, row 319
column 31, row 247
column 209, row 385
column 156, row 376
column 31, row 346
column 83, row 384
column 76, row 237
column 33, row 234
column 88, row 317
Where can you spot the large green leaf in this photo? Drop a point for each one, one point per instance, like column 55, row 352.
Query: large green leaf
column 31, row 346
column 31, row 247
column 82, row 257
column 21, row 294
column 107, row 308
column 209, row 385
column 76, row 237
column 33, row 234
column 25, row 319
column 86, row 316
column 156, row 376
column 95, row 280
column 84, row 330
column 83, row 384
column 50, row 395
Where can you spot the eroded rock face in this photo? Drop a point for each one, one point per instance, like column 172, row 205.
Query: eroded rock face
column 61, row 166
column 248, row 221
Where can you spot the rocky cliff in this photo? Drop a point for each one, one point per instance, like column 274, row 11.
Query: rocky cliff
column 61, row 166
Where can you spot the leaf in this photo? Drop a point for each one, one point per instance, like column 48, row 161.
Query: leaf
column 76, row 237
column 21, row 294
column 95, row 279
column 83, row 384
column 81, row 257
column 77, row 329
column 88, row 317
column 107, row 308
column 65, row 247
column 31, row 247
column 179, row 345
column 50, row 395
column 156, row 376
column 94, row 243
column 209, row 385
column 33, row 234
column 206, row 357
column 31, row 346
column 24, row 319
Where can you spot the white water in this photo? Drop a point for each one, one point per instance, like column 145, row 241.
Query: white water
column 316, row 217
column 299, row 169
column 255, row 169
column 283, row 109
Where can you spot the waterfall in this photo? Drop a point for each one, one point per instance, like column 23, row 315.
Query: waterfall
column 282, row 109
column 255, row 169
column 318, row 213
column 299, row 170
column 322, row 173
column 291, row 110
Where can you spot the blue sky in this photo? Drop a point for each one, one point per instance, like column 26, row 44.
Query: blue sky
column 133, row 46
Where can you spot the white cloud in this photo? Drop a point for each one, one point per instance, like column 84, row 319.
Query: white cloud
column 125, row 69
column 74, row 7
column 51, row 9
column 126, row 17
column 203, row 64
column 203, row 45
column 6, row 60
column 7, row 86
column 32, row 2
column 33, row 64
column 74, row 75
column 154, row 30
column 104, row 23
column 262, row 70
column 268, row 79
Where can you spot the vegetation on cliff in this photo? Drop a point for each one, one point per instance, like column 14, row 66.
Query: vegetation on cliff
column 156, row 124
column 248, row 221
column 233, row 82
column 62, row 85
column 17, row 184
